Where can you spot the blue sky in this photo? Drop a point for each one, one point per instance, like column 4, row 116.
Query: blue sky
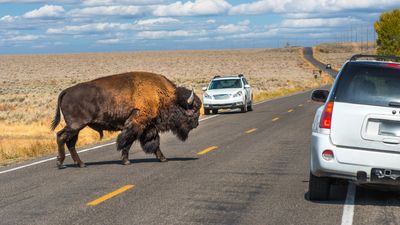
column 70, row 26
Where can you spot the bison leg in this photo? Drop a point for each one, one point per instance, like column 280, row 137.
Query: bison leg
column 71, row 147
column 124, row 142
column 150, row 142
column 61, row 138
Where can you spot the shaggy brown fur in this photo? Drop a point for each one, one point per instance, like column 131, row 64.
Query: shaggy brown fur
column 139, row 104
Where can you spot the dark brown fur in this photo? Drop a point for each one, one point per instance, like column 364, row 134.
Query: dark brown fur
column 138, row 104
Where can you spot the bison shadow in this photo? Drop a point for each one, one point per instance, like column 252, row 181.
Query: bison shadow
column 135, row 161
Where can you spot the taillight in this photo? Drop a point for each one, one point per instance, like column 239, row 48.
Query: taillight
column 326, row 117
column 393, row 65
column 327, row 155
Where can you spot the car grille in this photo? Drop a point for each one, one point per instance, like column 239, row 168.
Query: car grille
column 222, row 96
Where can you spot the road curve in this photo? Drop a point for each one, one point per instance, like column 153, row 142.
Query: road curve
column 252, row 169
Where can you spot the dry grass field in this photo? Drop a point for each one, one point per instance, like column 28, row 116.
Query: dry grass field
column 30, row 85
column 337, row 53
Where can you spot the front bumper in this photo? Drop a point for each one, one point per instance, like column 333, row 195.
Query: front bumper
column 224, row 106
column 348, row 162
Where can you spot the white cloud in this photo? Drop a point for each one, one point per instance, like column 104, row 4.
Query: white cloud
column 91, row 28
column 307, row 6
column 234, row 28
column 46, row 11
column 211, row 21
column 156, row 21
column 7, row 19
column 109, row 41
column 120, row 10
column 120, row 2
column 169, row 34
column 196, row 8
column 318, row 22
column 24, row 38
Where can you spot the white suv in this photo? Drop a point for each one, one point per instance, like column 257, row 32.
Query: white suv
column 228, row 92
column 356, row 133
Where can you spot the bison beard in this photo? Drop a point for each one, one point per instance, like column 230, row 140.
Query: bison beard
column 139, row 104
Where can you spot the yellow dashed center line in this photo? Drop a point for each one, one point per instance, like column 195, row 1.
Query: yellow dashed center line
column 207, row 150
column 251, row 130
column 275, row 119
column 290, row 110
column 110, row 195
column 300, row 105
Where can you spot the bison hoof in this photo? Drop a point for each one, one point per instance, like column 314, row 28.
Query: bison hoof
column 61, row 166
column 125, row 162
column 163, row 159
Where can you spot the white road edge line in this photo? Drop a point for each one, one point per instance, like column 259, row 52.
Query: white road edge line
column 348, row 208
column 111, row 143
column 83, row 150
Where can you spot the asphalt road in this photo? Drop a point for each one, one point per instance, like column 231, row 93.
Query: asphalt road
column 257, row 173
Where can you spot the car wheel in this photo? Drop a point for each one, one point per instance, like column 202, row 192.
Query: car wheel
column 250, row 106
column 215, row 111
column 243, row 109
column 319, row 188
column 206, row 112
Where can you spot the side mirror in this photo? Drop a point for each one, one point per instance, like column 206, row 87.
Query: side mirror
column 320, row 95
column 247, row 86
column 204, row 88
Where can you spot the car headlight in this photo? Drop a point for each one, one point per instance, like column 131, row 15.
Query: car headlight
column 238, row 94
column 207, row 95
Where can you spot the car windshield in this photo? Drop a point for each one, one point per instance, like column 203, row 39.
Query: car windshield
column 376, row 85
column 225, row 83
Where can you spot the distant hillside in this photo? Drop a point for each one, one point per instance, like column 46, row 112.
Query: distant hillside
column 337, row 53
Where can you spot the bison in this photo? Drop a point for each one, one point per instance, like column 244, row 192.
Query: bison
column 139, row 104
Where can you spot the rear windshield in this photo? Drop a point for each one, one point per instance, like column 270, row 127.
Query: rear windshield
column 226, row 83
column 369, row 84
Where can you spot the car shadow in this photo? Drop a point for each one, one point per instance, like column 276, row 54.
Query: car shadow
column 135, row 161
column 365, row 196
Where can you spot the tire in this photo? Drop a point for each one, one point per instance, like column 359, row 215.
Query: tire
column 206, row 112
column 215, row 111
column 250, row 106
column 319, row 188
column 243, row 109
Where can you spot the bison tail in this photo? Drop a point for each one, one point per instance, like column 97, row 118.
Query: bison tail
column 57, row 117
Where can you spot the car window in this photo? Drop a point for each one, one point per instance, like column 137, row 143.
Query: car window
column 245, row 81
column 226, row 83
column 369, row 84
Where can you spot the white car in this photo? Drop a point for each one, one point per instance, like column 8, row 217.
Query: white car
column 228, row 92
column 356, row 133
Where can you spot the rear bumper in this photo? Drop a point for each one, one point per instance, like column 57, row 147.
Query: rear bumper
column 348, row 162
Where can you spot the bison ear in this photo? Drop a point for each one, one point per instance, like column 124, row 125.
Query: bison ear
column 190, row 100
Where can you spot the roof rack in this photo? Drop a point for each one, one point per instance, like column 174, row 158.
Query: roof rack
column 216, row 76
column 378, row 57
column 241, row 75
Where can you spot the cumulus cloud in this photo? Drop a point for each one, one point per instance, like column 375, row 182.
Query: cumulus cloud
column 119, row 10
column 156, row 21
column 91, row 28
column 7, row 19
column 318, row 22
column 24, row 38
column 307, row 6
column 46, row 11
column 196, row 8
column 234, row 28
column 120, row 2
column 109, row 41
column 169, row 34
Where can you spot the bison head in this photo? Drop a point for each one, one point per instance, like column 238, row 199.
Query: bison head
column 186, row 113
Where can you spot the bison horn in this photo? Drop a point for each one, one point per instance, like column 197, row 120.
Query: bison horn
column 191, row 98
